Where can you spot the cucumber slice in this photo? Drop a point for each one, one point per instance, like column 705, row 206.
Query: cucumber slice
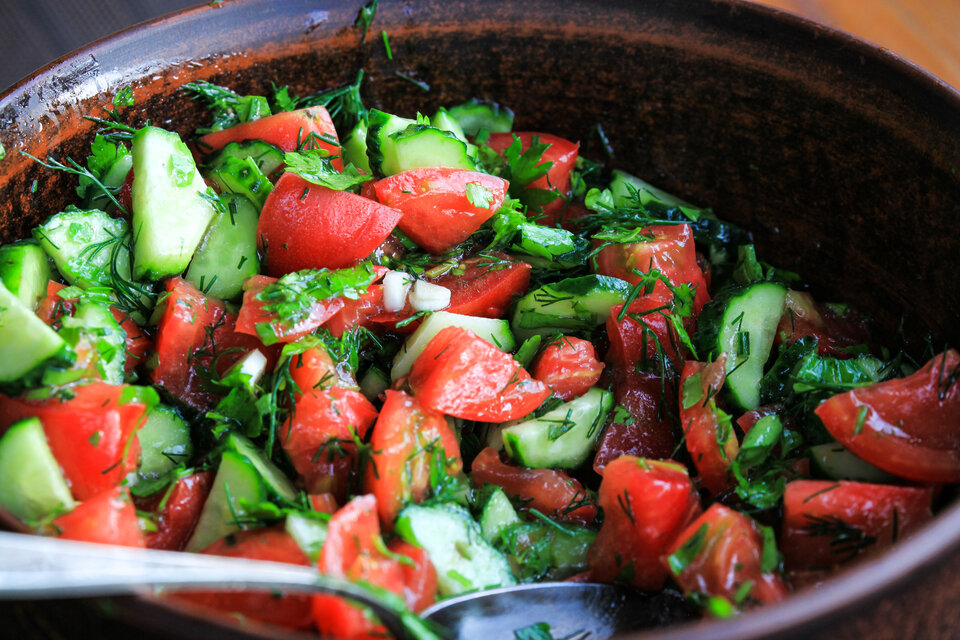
column 275, row 481
column 474, row 115
column 310, row 533
column 266, row 156
column 227, row 255
column 538, row 550
column 243, row 177
column 84, row 244
column 32, row 487
column 374, row 382
column 623, row 184
column 237, row 482
column 741, row 323
column 25, row 271
column 498, row 514
column 562, row 438
column 443, row 120
column 835, row 461
column 493, row 330
column 94, row 326
column 572, row 304
column 354, row 148
column 395, row 144
column 463, row 559
column 164, row 443
column 170, row 210
column 26, row 342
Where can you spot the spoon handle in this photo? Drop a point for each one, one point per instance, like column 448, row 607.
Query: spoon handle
column 40, row 567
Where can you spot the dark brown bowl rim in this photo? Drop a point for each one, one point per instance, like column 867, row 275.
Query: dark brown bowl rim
column 857, row 586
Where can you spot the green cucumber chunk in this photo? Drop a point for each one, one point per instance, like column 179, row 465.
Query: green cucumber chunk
column 275, row 481
column 623, row 185
column 539, row 551
column 266, row 156
column 742, row 323
column 569, row 305
column 93, row 325
column 170, row 209
column 227, row 255
column 373, row 383
column 237, row 483
column 837, row 462
column 243, row 177
column 463, row 559
column 495, row 331
column 26, row 342
column 562, row 438
column 32, row 486
column 396, row 144
column 498, row 514
column 89, row 248
column 165, row 442
column 354, row 148
column 25, row 271
column 309, row 533
column 474, row 115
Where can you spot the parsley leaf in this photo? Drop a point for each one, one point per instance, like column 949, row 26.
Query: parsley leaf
column 229, row 108
column 315, row 166
column 478, row 195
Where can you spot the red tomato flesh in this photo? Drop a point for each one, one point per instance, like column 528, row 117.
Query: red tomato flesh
column 305, row 226
column 439, row 210
column 463, row 375
column 709, row 437
column 252, row 313
column 485, row 286
column 106, row 518
column 569, row 366
column 176, row 520
column 643, row 331
column 909, row 427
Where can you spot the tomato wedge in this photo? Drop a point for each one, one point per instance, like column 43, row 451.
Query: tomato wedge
column 181, row 509
column 485, row 286
column 441, row 207
column 107, row 518
column 409, row 440
column 643, row 332
column 319, row 437
column 835, row 331
column 646, row 504
column 547, row 490
column 569, row 366
column 463, row 375
column 827, row 523
column 722, row 554
column 252, row 313
column 305, row 226
column 707, row 431
column 909, row 427
column 310, row 128
column 91, row 434
column 562, row 153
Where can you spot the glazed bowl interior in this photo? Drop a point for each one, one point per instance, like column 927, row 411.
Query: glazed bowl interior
column 840, row 158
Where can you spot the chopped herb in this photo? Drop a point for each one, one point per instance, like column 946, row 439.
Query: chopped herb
column 365, row 18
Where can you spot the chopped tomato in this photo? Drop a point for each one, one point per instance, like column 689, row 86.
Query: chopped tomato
column 485, row 286
column 646, row 504
column 176, row 512
column 909, row 427
column 319, row 437
column 562, row 153
column 252, row 313
column 408, row 441
column 125, row 196
column 670, row 249
column 107, row 517
column 91, row 434
column 273, row 545
column 707, row 430
column 314, row 370
column 306, row 226
column 835, row 331
column 324, row 503
column 569, row 366
column 826, row 523
column 137, row 342
column 52, row 307
column 463, row 375
column 441, row 207
column 193, row 330
column 643, row 332
column 309, row 128
column 419, row 578
column 357, row 313
column 642, row 427
column 722, row 554
column 547, row 490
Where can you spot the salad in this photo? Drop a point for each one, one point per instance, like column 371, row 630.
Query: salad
column 438, row 355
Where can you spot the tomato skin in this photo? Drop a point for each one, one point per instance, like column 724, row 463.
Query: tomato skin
column 357, row 313
column 549, row 491
column 730, row 555
column 305, row 226
column 671, row 251
column 176, row 521
column 485, row 289
column 291, row 611
column 834, row 331
column 314, row 370
column 562, row 153
column 864, row 511
column 420, row 580
column 106, row 518
column 630, row 342
column 323, row 418
column 324, row 503
column 437, row 214
column 92, row 435
column 701, row 424
column 400, row 472
column 568, row 366
column 463, row 375
column 911, row 426
column 137, row 342
column 648, row 432
column 646, row 504
column 288, row 130
column 252, row 313
column 52, row 307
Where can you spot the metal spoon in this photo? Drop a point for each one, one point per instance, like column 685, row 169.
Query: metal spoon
column 38, row 567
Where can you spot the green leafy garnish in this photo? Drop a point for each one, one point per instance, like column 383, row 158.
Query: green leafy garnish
column 365, row 18
column 315, row 166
